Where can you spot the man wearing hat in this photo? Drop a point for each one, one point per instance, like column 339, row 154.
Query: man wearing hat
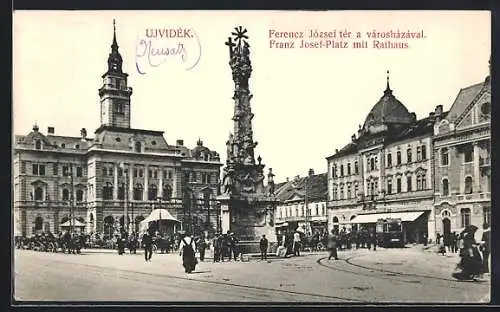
column 232, row 246
column 216, row 246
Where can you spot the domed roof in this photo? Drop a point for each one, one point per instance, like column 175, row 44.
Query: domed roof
column 388, row 110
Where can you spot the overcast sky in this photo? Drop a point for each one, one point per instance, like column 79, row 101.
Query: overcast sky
column 307, row 102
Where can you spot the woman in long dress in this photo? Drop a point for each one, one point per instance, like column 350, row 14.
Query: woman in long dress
column 471, row 260
column 187, row 249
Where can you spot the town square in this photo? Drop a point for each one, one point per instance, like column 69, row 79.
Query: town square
column 395, row 209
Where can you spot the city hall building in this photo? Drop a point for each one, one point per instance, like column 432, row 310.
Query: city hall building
column 462, row 149
column 386, row 171
column 114, row 179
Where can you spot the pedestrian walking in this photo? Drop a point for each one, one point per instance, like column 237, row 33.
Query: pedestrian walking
column 187, row 252
column 373, row 237
column 296, row 244
column 485, row 247
column 332, row 245
column 147, row 241
column 264, row 244
column 217, row 248
column 202, row 246
column 233, row 246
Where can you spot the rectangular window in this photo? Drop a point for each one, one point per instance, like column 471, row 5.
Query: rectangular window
column 444, row 156
column 389, row 186
column 35, row 169
column 468, row 154
column 150, row 173
column 398, row 185
column 120, row 172
column 79, row 171
column 349, row 169
column 398, row 158
column 356, row 169
column 389, row 160
column 419, row 153
column 424, row 152
column 135, row 172
column 141, row 173
column 164, row 174
column 55, row 169
column 155, row 174
column 41, row 170
column 23, row 167
column 409, row 155
column 65, row 171
column 408, row 184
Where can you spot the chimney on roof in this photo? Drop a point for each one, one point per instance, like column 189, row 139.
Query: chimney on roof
column 439, row 110
column 413, row 116
column 311, row 172
column 179, row 142
column 336, row 150
column 83, row 134
column 50, row 130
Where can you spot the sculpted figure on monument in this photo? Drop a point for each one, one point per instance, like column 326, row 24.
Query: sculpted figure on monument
column 270, row 181
column 229, row 146
column 228, row 183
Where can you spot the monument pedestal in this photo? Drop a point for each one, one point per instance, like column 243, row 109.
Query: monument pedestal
column 249, row 217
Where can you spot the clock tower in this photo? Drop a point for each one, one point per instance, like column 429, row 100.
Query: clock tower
column 114, row 93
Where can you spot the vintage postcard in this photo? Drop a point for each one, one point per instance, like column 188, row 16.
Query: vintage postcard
column 251, row 156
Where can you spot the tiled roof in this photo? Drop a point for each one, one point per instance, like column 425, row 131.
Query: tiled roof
column 464, row 97
column 316, row 188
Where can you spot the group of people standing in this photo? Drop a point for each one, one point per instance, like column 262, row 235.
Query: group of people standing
column 474, row 256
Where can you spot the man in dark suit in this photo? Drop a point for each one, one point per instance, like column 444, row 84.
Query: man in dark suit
column 485, row 247
column 147, row 241
column 264, row 244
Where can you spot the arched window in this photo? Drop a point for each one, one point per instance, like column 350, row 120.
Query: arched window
column 107, row 191
column 444, row 156
column 446, row 187
column 389, row 185
column 408, row 155
column 468, row 185
column 465, row 214
column 38, row 224
column 389, row 160
column 137, row 147
column 356, row 168
column 91, row 217
column 152, row 192
column 317, row 209
column 341, row 170
column 65, row 194
column 335, row 220
column 38, row 193
column 398, row 157
column 348, row 192
column 167, row 192
column 79, row 195
column 487, row 215
column 372, row 164
column 349, row 169
column 138, row 191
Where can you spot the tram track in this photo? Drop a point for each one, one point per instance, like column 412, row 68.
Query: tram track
column 391, row 275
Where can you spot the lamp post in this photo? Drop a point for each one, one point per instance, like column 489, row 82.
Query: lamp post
column 159, row 207
column 71, row 200
column 126, row 224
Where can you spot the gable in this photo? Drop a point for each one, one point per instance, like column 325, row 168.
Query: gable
column 478, row 111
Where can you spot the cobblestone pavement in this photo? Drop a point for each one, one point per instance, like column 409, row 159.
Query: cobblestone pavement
column 360, row 276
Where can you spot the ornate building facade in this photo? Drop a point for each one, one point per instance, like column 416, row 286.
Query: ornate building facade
column 302, row 204
column 120, row 172
column 386, row 171
column 462, row 149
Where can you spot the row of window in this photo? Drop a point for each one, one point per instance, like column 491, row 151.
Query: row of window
column 137, row 192
column 38, row 145
column 372, row 161
column 288, row 211
column 445, row 186
column 137, row 172
column 65, row 194
column 39, row 170
column 468, row 155
column 338, row 191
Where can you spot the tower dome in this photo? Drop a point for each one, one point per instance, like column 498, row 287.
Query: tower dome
column 387, row 111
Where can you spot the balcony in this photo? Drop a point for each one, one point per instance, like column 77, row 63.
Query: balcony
column 464, row 198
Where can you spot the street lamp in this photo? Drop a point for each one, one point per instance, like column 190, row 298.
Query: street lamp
column 159, row 218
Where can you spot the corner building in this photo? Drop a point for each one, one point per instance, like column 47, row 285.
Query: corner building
column 385, row 172
column 120, row 172
column 462, row 149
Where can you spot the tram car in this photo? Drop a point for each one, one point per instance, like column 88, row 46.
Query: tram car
column 390, row 233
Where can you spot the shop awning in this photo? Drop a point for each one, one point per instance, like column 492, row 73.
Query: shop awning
column 373, row 217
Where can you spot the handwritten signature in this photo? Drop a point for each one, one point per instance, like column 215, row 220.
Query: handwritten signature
column 155, row 52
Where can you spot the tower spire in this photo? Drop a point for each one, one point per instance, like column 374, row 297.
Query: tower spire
column 114, row 45
column 388, row 88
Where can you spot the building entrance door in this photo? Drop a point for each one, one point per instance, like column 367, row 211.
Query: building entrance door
column 446, row 226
